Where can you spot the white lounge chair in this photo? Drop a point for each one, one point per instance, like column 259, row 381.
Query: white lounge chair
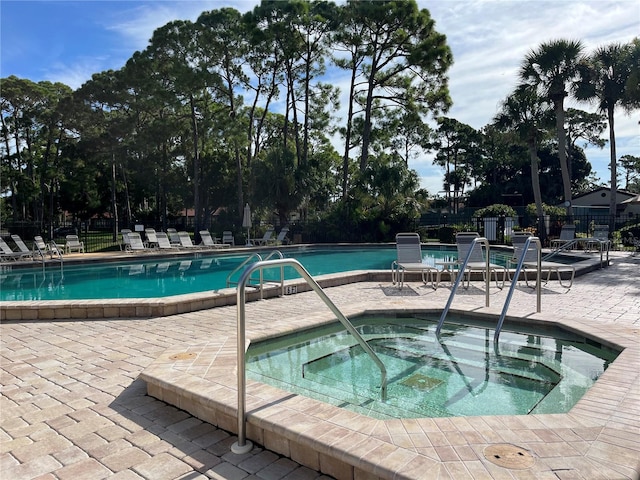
column 531, row 262
column 163, row 242
column 477, row 260
column 41, row 248
column 281, row 239
column 124, row 244
column 151, row 237
column 266, row 238
column 207, row 241
column 174, row 238
column 409, row 259
column 73, row 244
column 7, row 253
column 135, row 243
column 22, row 247
column 186, row 242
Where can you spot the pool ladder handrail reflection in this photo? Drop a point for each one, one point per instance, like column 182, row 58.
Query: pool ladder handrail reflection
column 243, row 445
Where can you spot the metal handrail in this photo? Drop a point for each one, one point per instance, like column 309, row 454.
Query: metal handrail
column 514, row 282
column 242, row 445
column 241, row 266
column 274, row 253
column 587, row 240
column 485, row 243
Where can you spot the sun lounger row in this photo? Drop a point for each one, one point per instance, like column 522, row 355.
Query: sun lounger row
column 268, row 239
column 170, row 240
column 40, row 249
column 174, row 240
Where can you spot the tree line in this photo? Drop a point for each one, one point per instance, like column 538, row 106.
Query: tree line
column 235, row 108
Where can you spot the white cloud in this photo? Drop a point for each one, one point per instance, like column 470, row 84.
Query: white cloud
column 490, row 38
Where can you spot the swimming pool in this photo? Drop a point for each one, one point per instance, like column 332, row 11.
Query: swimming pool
column 531, row 371
column 145, row 277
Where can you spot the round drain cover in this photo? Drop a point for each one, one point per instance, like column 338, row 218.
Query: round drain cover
column 183, row 356
column 509, row 456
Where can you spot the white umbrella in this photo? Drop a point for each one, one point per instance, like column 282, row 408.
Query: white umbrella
column 246, row 222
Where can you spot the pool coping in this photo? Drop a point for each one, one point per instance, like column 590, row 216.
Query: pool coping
column 192, row 302
column 348, row 445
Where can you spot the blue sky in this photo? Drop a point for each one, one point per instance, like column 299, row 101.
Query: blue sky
column 68, row 41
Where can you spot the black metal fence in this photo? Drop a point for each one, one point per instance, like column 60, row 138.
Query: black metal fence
column 100, row 236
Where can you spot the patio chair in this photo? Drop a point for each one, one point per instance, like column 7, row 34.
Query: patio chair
column 174, row 238
column 567, row 234
column 73, row 244
column 207, row 241
column 281, row 239
column 266, row 238
column 477, row 260
column 124, row 244
column 7, row 253
column 22, row 247
column 163, row 242
column 42, row 248
column 409, row 259
column 227, row 238
column 531, row 262
column 601, row 242
column 135, row 243
column 152, row 237
column 186, row 242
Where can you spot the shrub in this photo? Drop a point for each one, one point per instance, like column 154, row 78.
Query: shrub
column 496, row 210
column 554, row 212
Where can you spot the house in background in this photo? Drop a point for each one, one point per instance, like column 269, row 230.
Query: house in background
column 596, row 204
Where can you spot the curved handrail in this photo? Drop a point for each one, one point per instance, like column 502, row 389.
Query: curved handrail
column 571, row 243
column 514, row 282
column 242, row 445
column 463, row 267
column 274, row 253
column 242, row 265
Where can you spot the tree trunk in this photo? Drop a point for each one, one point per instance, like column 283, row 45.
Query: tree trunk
column 535, row 184
column 562, row 155
column 196, row 168
column 613, row 201
column 347, row 137
column 114, row 205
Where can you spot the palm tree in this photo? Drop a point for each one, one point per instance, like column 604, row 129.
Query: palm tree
column 604, row 77
column 552, row 69
column 530, row 117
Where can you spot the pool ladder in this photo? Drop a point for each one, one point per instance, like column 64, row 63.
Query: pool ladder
column 243, row 445
column 514, row 282
column 256, row 257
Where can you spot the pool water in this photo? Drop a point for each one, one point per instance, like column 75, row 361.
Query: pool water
column 463, row 374
column 161, row 277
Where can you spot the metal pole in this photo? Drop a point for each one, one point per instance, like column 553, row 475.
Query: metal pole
column 516, row 274
column 461, row 276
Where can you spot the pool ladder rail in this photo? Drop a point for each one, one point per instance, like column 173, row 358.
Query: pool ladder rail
column 256, row 257
column 514, row 282
column 243, row 445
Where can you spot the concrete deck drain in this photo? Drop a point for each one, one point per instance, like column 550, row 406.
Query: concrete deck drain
column 509, row 456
